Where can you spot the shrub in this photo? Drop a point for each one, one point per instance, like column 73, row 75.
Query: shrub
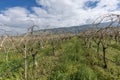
column 84, row 73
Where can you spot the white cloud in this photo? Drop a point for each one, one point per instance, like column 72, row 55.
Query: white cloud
column 108, row 4
column 57, row 13
column 14, row 19
column 72, row 12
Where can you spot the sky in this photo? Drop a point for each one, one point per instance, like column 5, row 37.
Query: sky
column 19, row 15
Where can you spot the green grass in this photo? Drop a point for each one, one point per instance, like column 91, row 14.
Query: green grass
column 73, row 61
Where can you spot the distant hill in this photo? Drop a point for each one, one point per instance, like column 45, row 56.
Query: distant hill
column 72, row 29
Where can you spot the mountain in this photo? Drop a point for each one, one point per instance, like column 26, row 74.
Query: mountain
column 73, row 29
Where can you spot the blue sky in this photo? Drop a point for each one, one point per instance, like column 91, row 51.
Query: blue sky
column 91, row 4
column 17, row 15
column 5, row 4
column 28, row 4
